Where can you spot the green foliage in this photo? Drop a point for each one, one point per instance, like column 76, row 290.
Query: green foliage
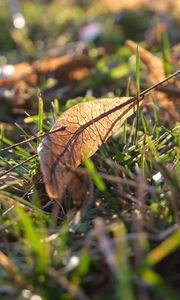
column 43, row 251
column 138, row 90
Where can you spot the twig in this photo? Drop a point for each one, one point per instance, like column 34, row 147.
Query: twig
column 38, row 135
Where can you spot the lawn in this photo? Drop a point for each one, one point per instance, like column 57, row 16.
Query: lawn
column 89, row 179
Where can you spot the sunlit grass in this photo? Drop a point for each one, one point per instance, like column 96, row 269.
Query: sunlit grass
column 116, row 244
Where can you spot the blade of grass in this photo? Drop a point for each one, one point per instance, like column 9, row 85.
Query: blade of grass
column 40, row 115
column 22, row 201
column 144, row 123
column 1, row 137
column 138, row 92
column 166, row 53
column 90, row 167
column 124, row 286
column 19, row 151
column 37, row 243
column 10, row 268
column 56, row 108
column 18, row 165
column 125, row 123
column 155, row 281
column 164, row 249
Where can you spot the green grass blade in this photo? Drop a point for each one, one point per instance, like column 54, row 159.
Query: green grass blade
column 138, row 91
column 124, row 286
column 166, row 53
column 56, row 108
column 90, row 167
column 36, row 241
column 156, row 281
column 40, row 113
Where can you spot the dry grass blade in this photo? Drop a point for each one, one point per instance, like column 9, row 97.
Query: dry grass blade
column 10, row 268
column 8, row 201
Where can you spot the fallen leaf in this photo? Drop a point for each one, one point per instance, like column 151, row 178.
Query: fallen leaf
column 16, row 81
column 77, row 187
column 166, row 98
column 85, row 127
column 64, row 67
column 19, row 72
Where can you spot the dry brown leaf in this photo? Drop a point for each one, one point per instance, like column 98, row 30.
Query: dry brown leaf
column 67, row 67
column 168, row 102
column 84, row 128
column 22, row 72
column 16, row 93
